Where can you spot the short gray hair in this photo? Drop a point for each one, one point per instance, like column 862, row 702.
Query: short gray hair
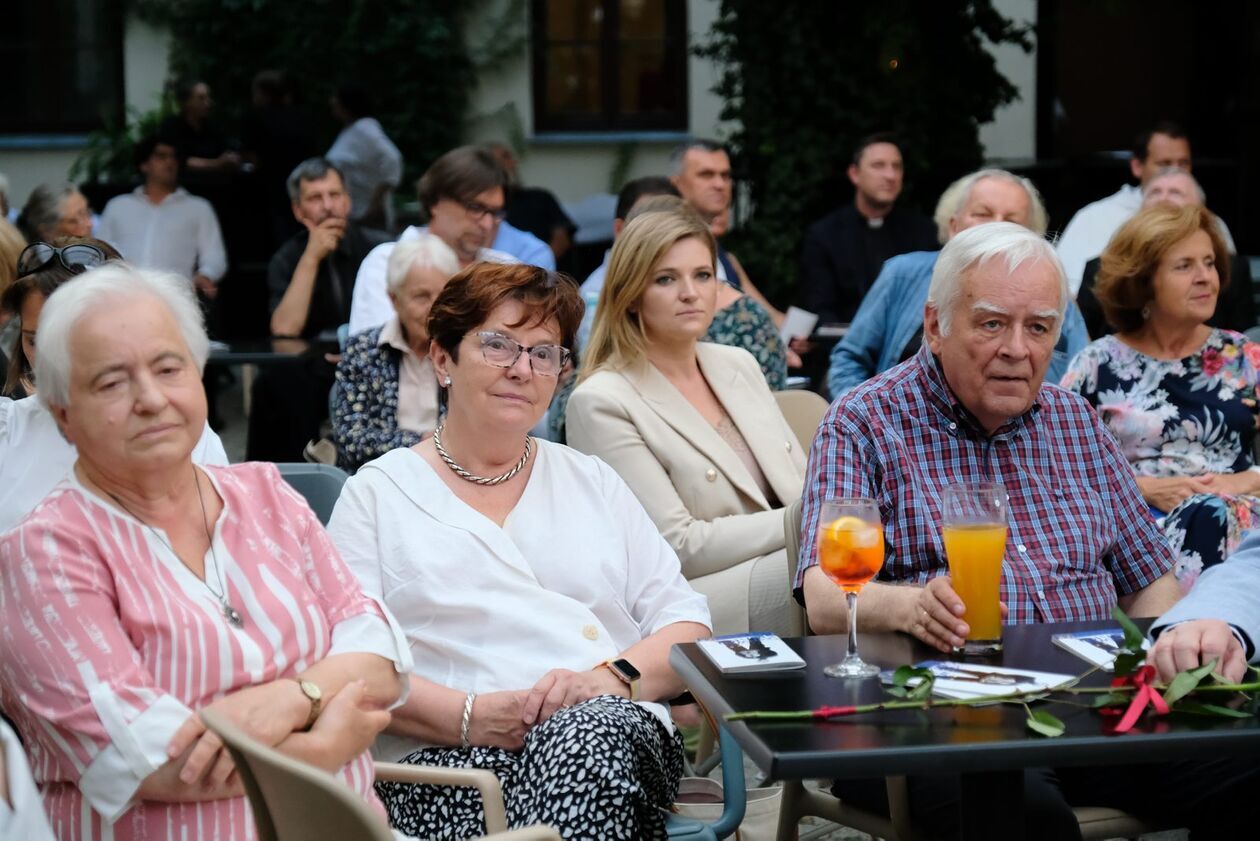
column 424, row 250
column 43, row 209
column 1013, row 243
column 704, row 144
column 956, row 195
column 1176, row 170
column 311, row 169
column 98, row 290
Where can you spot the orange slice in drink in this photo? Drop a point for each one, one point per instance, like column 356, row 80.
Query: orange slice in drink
column 853, row 533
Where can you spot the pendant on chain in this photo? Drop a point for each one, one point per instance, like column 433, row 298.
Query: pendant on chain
column 233, row 616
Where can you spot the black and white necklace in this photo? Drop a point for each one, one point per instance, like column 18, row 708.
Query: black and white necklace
column 231, row 614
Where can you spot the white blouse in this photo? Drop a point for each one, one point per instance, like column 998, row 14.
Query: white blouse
column 577, row 574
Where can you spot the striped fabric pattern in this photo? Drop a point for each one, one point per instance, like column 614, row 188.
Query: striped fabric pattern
column 1079, row 533
column 108, row 643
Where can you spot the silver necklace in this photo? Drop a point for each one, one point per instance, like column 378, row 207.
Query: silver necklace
column 231, row 614
column 480, row 480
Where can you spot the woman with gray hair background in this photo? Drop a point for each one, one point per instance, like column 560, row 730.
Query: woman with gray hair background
column 55, row 210
column 386, row 394
column 151, row 588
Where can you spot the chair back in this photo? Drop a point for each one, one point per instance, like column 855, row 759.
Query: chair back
column 797, row 623
column 803, row 411
column 320, row 484
column 292, row 800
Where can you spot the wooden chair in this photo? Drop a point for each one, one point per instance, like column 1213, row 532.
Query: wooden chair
column 293, row 801
column 1097, row 822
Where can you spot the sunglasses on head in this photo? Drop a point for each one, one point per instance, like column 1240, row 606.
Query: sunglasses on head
column 77, row 258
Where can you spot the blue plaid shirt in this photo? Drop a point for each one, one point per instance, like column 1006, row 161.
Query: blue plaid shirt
column 1079, row 533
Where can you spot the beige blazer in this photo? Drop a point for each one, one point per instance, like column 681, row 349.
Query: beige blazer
column 693, row 485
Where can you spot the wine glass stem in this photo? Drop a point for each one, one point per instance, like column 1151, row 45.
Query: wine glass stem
column 851, row 597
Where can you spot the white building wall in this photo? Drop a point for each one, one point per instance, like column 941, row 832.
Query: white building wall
column 1012, row 136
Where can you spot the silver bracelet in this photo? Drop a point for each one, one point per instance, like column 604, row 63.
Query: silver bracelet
column 467, row 720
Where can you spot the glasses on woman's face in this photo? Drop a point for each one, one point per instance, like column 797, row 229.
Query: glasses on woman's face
column 76, row 258
column 502, row 352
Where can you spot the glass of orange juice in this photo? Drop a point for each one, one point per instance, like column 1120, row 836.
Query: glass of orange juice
column 850, row 553
column 973, row 521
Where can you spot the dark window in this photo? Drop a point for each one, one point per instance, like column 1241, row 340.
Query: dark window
column 610, row 65
column 63, row 65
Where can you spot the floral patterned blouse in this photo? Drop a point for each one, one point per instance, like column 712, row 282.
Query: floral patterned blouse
column 1182, row 417
column 745, row 323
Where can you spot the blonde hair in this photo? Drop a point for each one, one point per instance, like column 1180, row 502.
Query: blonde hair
column 617, row 338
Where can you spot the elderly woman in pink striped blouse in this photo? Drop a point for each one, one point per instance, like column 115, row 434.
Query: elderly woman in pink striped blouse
column 144, row 589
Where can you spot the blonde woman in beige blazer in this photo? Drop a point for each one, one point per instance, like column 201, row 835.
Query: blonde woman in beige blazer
column 690, row 426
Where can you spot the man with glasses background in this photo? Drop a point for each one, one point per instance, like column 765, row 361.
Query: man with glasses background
column 462, row 194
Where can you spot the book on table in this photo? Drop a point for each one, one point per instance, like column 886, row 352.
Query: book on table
column 1098, row 647
column 751, row 652
column 963, row 679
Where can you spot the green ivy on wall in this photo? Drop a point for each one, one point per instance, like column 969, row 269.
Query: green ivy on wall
column 804, row 81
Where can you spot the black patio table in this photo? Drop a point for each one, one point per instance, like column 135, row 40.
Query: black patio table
column 988, row 746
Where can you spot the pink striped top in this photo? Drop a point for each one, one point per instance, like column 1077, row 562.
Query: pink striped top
column 108, row 642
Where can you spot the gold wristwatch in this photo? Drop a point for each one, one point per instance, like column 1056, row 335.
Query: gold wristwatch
column 315, row 696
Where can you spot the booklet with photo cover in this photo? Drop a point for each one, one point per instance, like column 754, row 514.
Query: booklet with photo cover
column 1098, row 647
column 967, row 679
column 751, row 652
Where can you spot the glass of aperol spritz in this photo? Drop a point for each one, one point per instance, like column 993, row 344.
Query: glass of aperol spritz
column 850, row 553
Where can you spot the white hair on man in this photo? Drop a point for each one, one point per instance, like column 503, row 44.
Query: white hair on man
column 969, row 249
column 1175, row 170
column 424, row 250
column 956, row 195
column 102, row 289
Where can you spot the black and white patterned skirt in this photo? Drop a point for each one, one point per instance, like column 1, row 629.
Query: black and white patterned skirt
column 601, row 769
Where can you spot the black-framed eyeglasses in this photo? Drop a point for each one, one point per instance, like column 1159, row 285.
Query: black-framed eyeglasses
column 502, row 352
column 479, row 211
column 77, row 258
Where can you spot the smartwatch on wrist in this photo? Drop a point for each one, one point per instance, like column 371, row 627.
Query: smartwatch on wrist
column 627, row 674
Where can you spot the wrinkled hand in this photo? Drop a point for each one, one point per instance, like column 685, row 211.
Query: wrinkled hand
column 1191, row 644
column 204, row 757
column 937, row 616
column 1167, row 494
column 349, row 722
column 268, row 712
column 563, row 688
column 324, row 237
column 1233, row 484
column 498, row 721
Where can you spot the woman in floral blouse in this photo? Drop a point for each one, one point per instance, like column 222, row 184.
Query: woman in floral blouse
column 1181, row 397
column 386, row 395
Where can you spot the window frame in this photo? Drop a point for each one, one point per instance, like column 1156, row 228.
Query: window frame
column 111, row 37
column 610, row 120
